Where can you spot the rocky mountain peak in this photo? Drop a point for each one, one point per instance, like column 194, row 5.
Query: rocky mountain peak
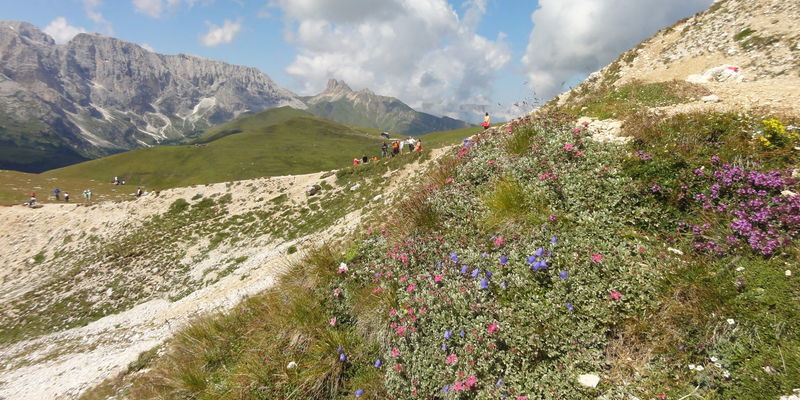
column 336, row 86
column 26, row 30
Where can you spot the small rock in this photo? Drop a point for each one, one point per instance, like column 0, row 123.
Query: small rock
column 768, row 369
column 291, row 365
column 109, row 292
column 788, row 272
column 355, row 187
column 676, row 251
column 712, row 98
column 589, row 380
column 378, row 197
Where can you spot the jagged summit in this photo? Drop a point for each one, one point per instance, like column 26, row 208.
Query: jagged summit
column 338, row 102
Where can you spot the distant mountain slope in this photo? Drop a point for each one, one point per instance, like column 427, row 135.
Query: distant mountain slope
column 364, row 108
column 297, row 145
column 252, row 122
column 98, row 95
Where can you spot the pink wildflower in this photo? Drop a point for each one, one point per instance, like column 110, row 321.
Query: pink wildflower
column 585, row 123
column 398, row 367
column 332, row 322
column 377, row 290
column 458, row 386
column 452, row 359
column 395, row 352
column 438, row 278
column 370, row 232
column 337, row 292
column 471, row 381
column 615, row 295
column 569, row 147
column 448, row 180
column 411, row 287
column 499, row 241
column 576, row 131
column 401, row 330
column 522, row 397
column 597, row 257
column 392, row 312
column 552, row 218
column 490, row 162
column 493, row 327
column 579, row 153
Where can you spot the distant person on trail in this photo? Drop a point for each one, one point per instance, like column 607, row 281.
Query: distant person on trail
column 419, row 145
column 355, row 161
column 384, row 150
column 395, row 148
column 486, row 122
column 411, row 144
column 116, row 180
column 364, row 159
column 33, row 199
column 139, row 192
column 55, row 193
column 66, row 197
column 402, row 144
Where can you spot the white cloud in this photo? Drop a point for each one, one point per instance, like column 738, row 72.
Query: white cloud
column 148, row 47
column 420, row 51
column 156, row 8
column 62, row 31
column 91, row 6
column 220, row 35
column 572, row 38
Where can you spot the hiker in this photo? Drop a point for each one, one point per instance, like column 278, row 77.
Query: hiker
column 355, row 161
column 402, row 145
column 486, row 122
column 66, row 197
column 411, row 145
column 116, row 180
column 33, row 199
column 384, row 150
column 395, row 148
column 56, row 192
column 419, row 145
column 373, row 158
column 364, row 159
column 139, row 192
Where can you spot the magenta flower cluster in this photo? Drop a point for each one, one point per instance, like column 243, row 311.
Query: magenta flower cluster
column 760, row 208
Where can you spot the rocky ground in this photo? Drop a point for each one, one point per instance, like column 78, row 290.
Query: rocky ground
column 36, row 245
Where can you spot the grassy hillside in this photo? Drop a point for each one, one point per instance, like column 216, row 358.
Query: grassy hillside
column 664, row 268
column 298, row 145
column 251, row 122
column 445, row 138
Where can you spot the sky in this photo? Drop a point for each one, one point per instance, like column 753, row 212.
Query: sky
column 447, row 57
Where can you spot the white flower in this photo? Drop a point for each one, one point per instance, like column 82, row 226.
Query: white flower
column 291, row 365
column 726, row 374
column 714, row 359
column 699, row 368
column 692, row 367
column 731, row 321
column 788, row 272
column 740, row 269
column 718, row 365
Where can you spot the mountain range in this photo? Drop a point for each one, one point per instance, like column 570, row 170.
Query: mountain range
column 97, row 95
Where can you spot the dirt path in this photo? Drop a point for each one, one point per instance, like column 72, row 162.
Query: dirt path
column 64, row 364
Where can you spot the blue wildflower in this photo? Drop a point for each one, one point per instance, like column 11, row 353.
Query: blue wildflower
column 499, row 382
column 569, row 306
column 378, row 363
column 475, row 272
column 484, row 283
column 463, row 269
column 553, row 240
column 453, row 257
column 339, row 350
column 503, row 285
column 503, row 260
column 446, row 388
column 439, row 264
column 447, row 334
column 543, row 264
column 444, row 346
column 342, row 357
column 489, row 274
column 563, row 274
column 461, row 333
column 359, row 392
column 531, row 260
column 539, row 252
column 484, row 254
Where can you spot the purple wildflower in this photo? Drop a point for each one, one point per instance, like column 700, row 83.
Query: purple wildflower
column 569, row 306
column 359, row 392
column 453, row 257
column 342, row 357
column 378, row 363
column 503, row 260
column 563, row 275
column 484, row 283
column 447, row 334
column 463, row 269
column 475, row 272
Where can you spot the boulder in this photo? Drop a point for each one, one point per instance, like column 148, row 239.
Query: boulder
column 589, row 380
column 712, row 98
column 723, row 73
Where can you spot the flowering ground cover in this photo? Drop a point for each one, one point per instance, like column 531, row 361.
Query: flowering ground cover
column 530, row 263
